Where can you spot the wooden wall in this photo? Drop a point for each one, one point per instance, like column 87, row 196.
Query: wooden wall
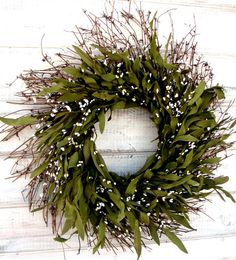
column 22, row 25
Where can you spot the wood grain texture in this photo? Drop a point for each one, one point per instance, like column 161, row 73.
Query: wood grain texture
column 126, row 141
column 37, row 237
column 30, row 26
column 121, row 162
column 204, row 249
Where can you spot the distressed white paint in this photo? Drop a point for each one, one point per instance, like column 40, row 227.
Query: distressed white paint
column 23, row 24
column 118, row 137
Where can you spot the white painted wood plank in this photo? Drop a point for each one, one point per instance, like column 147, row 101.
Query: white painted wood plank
column 15, row 61
column 119, row 162
column 125, row 144
column 211, row 4
column 204, row 249
column 128, row 130
column 127, row 141
column 127, row 125
column 11, row 191
column 223, row 70
column 214, row 22
column 23, row 232
column 34, row 19
column 31, row 27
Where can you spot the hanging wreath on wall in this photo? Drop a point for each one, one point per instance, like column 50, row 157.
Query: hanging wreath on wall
column 119, row 64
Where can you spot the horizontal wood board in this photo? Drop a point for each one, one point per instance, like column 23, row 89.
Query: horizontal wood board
column 126, row 142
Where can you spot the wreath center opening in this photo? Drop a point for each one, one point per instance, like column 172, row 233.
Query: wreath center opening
column 129, row 138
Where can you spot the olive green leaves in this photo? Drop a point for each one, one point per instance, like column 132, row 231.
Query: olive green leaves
column 69, row 178
column 39, row 170
column 101, row 236
column 101, row 118
column 103, row 96
column 198, row 92
column 21, row 121
column 173, row 238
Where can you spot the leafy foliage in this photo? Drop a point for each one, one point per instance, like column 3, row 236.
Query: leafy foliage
column 175, row 88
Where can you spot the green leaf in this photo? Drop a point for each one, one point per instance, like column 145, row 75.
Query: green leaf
column 219, row 92
column 185, row 138
column 86, row 150
column 73, row 219
column 53, row 89
column 65, row 164
column 214, row 160
column 101, row 236
column 60, row 239
column 79, row 225
column 74, row 72
column 153, row 20
column 51, row 188
column 174, row 239
column 136, row 65
column 21, row 121
column 84, row 56
column 98, row 161
column 108, row 77
column 153, row 231
column 193, row 183
column 106, row 84
column 148, row 174
column 176, row 183
column 198, row 92
column 132, row 185
column 119, row 105
column 69, row 224
column 103, row 95
column 233, row 124
column 71, row 97
column 188, row 159
column 103, row 50
column 62, row 143
column 187, row 187
column 134, row 224
column 70, row 210
column 154, row 50
column 133, row 78
column 227, row 194
column 221, row 180
column 73, row 160
column 118, row 201
column 83, row 208
column 37, row 209
column 101, row 118
column 137, row 238
column 144, row 218
column 170, row 177
column 181, row 220
column 89, row 80
column 77, row 189
column 39, row 170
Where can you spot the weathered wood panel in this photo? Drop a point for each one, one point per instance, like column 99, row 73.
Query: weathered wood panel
column 23, row 23
column 204, row 249
column 220, row 224
column 119, row 162
column 30, row 26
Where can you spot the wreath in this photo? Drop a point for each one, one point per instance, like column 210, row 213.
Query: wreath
column 119, row 64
